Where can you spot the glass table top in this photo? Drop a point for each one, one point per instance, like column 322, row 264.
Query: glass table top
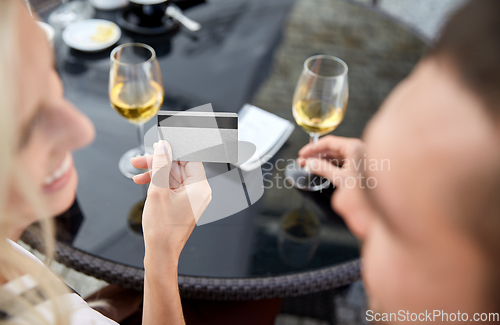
column 248, row 51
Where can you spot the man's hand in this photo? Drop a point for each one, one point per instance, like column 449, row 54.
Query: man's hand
column 333, row 157
column 339, row 159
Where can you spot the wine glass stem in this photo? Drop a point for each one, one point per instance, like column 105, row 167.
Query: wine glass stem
column 140, row 138
column 313, row 139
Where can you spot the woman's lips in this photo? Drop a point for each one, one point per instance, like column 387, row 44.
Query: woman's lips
column 60, row 176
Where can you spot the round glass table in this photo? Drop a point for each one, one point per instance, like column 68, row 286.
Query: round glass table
column 248, row 51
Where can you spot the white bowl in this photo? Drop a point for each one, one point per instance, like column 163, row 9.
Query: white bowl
column 82, row 35
column 108, row 4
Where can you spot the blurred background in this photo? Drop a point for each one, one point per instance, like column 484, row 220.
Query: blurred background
column 424, row 16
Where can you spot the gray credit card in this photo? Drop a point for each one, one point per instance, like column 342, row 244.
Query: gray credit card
column 200, row 136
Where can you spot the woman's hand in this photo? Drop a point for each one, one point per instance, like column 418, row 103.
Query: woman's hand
column 177, row 196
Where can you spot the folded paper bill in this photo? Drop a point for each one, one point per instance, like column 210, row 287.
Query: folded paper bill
column 266, row 131
column 200, row 136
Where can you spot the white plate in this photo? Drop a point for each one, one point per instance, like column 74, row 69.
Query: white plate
column 91, row 35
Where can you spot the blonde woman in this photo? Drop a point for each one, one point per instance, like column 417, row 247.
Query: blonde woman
column 38, row 131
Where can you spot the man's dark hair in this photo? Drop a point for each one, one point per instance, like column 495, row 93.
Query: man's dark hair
column 470, row 40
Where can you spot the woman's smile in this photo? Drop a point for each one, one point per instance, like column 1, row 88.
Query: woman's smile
column 58, row 178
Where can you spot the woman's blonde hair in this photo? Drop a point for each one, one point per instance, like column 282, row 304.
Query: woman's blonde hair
column 21, row 308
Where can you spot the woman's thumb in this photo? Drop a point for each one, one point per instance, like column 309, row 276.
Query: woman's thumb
column 162, row 162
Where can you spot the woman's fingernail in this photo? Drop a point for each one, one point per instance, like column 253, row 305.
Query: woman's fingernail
column 161, row 148
column 154, row 145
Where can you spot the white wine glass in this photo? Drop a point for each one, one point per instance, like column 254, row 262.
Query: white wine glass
column 135, row 92
column 319, row 105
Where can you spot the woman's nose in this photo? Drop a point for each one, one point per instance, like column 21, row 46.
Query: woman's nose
column 75, row 130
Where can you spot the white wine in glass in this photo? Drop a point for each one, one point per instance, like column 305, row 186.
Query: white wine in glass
column 317, row 117
column 135, row 92
column 319, row 106
column 136, row 106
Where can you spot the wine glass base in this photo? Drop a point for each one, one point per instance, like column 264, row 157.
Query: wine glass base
column 303, row 179
column 125, row 165
column 135, row 217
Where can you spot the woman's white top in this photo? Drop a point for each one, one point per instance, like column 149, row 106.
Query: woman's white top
column 81, row 314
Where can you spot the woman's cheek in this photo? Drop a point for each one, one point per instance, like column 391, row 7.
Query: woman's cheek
column 34, row 162
column 38, row 150
column 62, row 200
column 29, row 176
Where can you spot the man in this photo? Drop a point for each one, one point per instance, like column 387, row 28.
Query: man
column 430, row 220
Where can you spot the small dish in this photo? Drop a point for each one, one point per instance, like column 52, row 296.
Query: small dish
column 127, row 19
column 91, row 35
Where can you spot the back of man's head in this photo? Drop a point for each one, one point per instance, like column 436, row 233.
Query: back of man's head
column 471, row 42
